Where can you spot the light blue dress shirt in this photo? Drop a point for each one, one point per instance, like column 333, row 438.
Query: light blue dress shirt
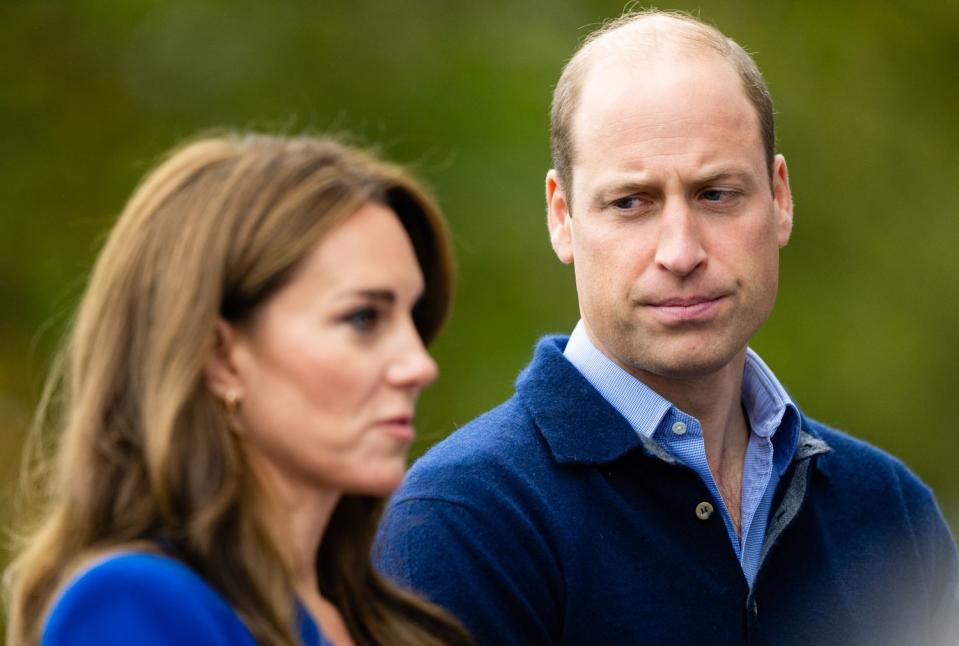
column 774, row 434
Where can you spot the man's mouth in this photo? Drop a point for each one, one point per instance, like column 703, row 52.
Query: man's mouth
column 687, row 308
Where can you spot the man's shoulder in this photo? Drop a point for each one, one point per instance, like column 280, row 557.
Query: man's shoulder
column 860, row 466
column 501, row 440
column 491, row 434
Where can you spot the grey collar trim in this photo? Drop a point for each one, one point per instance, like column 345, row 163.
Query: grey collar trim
column 653, row 448
column 810, row 445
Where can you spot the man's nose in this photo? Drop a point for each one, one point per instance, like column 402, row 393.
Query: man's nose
column 679, row 249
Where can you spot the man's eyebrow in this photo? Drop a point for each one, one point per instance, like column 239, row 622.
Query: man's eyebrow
column 614, row 190
column 734, row 174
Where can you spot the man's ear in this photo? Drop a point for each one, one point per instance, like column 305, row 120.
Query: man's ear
column 222, row 377
column 782, row 200
column 558, row 218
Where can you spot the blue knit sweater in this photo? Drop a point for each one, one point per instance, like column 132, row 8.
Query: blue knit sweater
column 550, row 521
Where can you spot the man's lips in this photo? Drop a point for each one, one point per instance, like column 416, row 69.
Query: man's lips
column 687, row 308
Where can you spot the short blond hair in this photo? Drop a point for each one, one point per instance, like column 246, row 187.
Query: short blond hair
column 674, row 28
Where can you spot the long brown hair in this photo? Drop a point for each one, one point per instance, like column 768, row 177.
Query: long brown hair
column 143, row 455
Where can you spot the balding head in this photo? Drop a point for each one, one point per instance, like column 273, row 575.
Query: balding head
column 642, row 36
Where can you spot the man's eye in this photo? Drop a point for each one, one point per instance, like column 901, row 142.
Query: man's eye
column 716, row 195
column 363, row 320
column 627, row 203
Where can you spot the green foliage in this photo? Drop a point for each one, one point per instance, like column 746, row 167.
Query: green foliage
column 864, row 334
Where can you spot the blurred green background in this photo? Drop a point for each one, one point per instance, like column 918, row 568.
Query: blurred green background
column 865, row 330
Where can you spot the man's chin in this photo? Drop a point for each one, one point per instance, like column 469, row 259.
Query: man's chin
column 682, row 362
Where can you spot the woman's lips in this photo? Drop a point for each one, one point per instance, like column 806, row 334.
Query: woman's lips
column 399, row 427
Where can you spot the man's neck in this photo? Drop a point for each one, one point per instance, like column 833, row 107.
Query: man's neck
column 715, row 399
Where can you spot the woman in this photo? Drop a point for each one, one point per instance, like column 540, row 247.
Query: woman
column 238, row 392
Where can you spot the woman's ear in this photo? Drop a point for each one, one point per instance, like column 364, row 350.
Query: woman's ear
column 222, row 377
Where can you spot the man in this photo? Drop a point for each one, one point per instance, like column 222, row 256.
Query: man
column 651, row 482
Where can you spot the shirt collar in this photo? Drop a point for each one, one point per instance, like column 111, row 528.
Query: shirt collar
column 771, row 411
column 642, row 407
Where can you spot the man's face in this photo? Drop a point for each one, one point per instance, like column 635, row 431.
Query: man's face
column 674, row 230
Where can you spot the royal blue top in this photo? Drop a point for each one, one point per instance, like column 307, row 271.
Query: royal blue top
column 149, row 600
column 773, row 435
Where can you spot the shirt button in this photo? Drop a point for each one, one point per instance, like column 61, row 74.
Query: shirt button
column 704, row 510
column 679, row 428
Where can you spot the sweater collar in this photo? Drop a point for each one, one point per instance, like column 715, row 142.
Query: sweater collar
column 580, row 426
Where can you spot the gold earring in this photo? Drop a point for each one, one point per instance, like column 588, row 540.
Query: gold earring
column 231, row 403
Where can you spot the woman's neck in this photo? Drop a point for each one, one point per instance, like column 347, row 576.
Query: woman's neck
column 297, row 516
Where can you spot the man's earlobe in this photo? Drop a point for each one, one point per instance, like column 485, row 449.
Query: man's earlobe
column 558, row 218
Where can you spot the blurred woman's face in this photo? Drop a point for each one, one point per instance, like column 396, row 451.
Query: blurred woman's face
column 329, row 372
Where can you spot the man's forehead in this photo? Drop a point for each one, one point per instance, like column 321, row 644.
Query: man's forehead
column 665, row 112
column 648, row 49
column 625, row 96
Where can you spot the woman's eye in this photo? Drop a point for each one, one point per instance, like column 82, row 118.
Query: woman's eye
column 363, row 320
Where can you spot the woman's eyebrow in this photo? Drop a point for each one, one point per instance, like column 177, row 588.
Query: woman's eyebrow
column 387, row 296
